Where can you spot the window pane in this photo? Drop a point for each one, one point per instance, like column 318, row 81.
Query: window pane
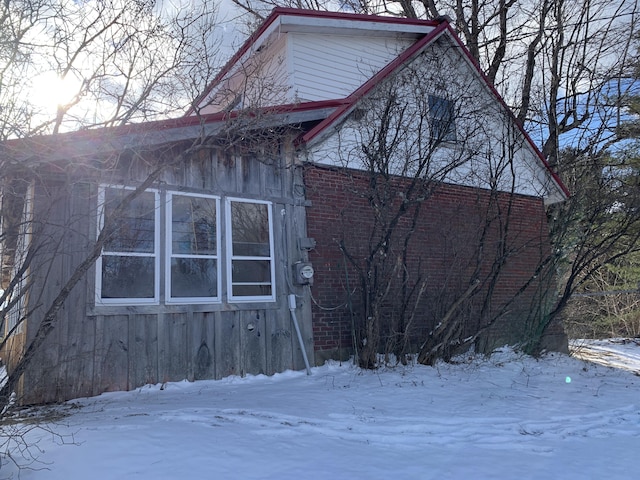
column 135, row 226
column 442, row 116
column 128, row 277
column 193, row 225
column 251, row 290
column 251, row 271
column 250, row 229
column 194, row 277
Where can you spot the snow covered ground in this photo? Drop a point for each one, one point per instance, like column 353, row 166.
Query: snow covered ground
column 508, row 417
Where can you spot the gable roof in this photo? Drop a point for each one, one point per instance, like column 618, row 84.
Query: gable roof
column 284, row 20
column 443, row 28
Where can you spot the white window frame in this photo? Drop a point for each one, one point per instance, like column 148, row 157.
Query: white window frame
column 169, row 255
column 230, row 257
column 156, row 252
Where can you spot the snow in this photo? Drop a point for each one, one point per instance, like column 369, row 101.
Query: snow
column 614, row 352
column 508, row 416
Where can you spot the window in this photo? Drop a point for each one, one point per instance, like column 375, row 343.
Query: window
column 128, row 269
column 250, row 264
column 135, row 261
column 442, row 115
column 192, row 239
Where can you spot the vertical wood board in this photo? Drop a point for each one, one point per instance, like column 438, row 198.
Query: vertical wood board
column 252, row 342
column 202, row 348
column 111, row 365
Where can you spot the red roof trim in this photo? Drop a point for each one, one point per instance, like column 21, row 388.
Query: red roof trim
column 370, row 84
column 300, row 12
column 282, row 11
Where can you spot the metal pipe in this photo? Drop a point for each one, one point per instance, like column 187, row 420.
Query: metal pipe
column 294, row 318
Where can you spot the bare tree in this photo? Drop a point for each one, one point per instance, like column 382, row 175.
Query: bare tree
column 68, row 65
column 564, row 68
column 432, row 125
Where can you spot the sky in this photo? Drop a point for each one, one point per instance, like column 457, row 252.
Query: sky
column 507, row 416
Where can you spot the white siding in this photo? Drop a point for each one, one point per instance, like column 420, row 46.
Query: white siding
column 301, row 67
column 329, row 67
column 490, row 152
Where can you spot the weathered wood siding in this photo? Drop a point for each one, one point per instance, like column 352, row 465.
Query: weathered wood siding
column 97, row 348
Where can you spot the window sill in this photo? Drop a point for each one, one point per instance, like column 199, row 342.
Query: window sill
column 107, row 310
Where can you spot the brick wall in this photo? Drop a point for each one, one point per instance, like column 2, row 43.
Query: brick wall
column 459, row 235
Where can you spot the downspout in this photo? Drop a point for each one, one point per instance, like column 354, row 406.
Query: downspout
column 294, row 319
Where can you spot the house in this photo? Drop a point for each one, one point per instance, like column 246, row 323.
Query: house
column 230, row 241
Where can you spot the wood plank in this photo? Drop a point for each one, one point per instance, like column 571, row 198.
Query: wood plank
column 111, row 365
column 280, row 336
column 227, row 344
column 249, row 177
column 44, row 380
column 173, row 361
column 303, row 293
column 77, row 330
column 225, row 171
column 202, row 345
column 303, row 313
column 252, row 342
column 143, row 350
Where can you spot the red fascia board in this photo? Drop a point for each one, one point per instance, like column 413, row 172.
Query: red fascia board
column 370, row 84
column 495, row 92
column 279, row 11
column 160, row 125
column 282, row 11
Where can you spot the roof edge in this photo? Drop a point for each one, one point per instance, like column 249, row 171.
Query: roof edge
column 100, row 140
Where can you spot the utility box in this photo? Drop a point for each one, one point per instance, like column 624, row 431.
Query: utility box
column 303, row 273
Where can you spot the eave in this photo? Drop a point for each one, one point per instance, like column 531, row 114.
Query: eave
column 101, row 142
